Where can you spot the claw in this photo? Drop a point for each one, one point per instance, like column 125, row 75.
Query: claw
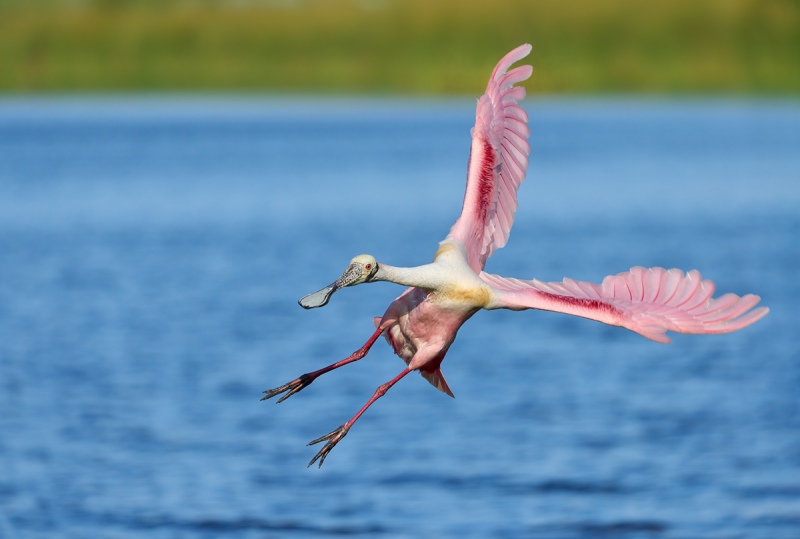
column 333, row 438
column 292, row 387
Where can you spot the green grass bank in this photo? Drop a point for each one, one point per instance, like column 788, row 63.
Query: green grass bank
column 413, row 47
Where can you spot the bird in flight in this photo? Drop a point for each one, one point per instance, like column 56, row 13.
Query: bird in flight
column 422, row 322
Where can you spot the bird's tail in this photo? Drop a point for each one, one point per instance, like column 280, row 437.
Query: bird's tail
column 437, row 380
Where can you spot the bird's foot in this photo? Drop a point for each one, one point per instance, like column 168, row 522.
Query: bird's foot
column 292, row 387
column 332, row 438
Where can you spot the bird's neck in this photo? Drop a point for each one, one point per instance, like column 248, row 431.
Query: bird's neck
column 420, row 276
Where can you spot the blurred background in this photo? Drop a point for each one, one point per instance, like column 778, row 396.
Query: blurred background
column 174, row 175
column 409, row 47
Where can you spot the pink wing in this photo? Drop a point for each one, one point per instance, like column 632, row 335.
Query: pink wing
column 497, row 163
column 647, row 301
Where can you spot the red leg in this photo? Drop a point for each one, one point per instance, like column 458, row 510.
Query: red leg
column 305, row 380
column 335, row 437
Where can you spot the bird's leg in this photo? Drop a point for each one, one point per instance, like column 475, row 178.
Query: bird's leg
column 305, row 380
column 334, row 437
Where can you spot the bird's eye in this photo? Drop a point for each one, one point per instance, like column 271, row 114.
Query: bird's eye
column 368, row 266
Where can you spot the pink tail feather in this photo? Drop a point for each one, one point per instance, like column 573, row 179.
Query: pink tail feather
column 437, row 380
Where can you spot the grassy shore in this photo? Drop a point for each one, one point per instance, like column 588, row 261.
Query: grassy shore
column 423, row 47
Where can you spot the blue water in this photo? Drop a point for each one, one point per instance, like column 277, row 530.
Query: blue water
column 152, row 251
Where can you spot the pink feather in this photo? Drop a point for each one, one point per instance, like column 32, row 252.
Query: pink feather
column 498, row 160
column 648, row 301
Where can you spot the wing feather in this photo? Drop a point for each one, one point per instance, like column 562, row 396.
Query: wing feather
column 516, row 171
column 648, row 301
column 518, row 143
column 516, row 114
column 515, row 76
column 512, row 95
column 686, row 288
column 669, row 284
column 518, row 126
column 498, row 160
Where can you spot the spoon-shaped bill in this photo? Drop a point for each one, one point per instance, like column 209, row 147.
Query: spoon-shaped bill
column 321, row 297
column 318, row 298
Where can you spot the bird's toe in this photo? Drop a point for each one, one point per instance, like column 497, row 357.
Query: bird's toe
column 332, row 438
column 289, row 388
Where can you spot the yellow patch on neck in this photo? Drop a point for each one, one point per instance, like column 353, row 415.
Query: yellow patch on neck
column 478, row 296
column 443, row 249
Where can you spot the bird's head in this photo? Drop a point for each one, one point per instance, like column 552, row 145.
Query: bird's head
column 362, row 269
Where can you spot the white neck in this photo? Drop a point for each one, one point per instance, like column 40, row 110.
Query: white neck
column 425, row 276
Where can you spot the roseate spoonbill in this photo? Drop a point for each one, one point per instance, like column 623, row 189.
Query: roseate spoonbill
column 422, row 323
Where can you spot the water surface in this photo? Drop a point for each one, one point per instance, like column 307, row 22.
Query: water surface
column 152, row 252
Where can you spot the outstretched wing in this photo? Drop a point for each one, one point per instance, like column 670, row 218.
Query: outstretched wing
column 647, row 301
column 497, row 163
